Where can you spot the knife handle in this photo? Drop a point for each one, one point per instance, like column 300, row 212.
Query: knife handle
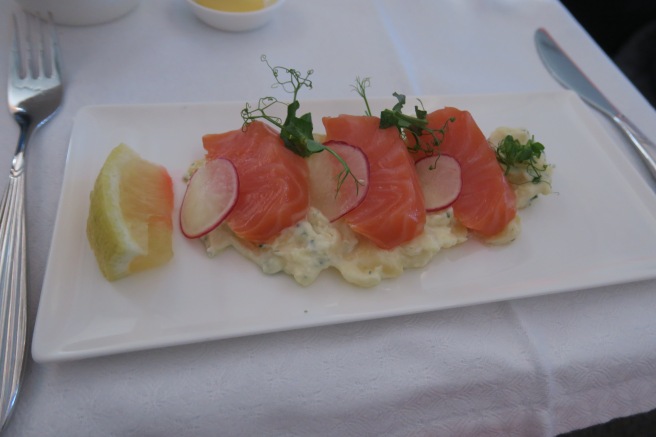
column 643, row 145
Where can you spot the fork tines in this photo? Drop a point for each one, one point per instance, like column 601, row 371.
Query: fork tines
column 35, row 49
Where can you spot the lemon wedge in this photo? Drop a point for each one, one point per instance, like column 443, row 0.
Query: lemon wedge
column 129, row 226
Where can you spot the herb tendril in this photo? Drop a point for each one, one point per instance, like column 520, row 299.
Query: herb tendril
column 409, row 126
column 296, row 131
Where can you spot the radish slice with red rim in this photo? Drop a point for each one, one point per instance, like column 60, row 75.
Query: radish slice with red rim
column 211, row 195
column 441, row 180
column 332, row 199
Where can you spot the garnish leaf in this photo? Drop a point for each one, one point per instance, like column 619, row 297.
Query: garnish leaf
column 296, row 132
column 409, row 126
column 414, row 126
column 513, row 154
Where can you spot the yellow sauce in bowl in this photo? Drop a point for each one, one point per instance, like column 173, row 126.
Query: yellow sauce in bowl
column 236, row 5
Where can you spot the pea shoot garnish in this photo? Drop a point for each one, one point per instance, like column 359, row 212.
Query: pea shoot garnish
column 513, row 154
column 360, row 87
column 409, row 126
column 296, row 131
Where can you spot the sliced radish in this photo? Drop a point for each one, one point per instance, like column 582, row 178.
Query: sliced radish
column 441, row 180
column 325, row 172
column 211, row 195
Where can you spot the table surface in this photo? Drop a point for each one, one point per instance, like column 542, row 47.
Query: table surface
column 533, row 366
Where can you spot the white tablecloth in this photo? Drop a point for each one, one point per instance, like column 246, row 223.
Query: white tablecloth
column 536, row 366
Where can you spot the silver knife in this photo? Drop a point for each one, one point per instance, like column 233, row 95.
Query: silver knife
column 565, row 71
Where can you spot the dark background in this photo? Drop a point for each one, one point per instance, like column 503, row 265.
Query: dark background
column 626, row 31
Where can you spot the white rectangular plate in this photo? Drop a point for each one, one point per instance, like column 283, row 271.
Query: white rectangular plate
column 599, row 228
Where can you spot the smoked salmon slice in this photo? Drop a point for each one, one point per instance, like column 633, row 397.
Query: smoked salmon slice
column 273, row 181
column 393, row 211
column 486, row 203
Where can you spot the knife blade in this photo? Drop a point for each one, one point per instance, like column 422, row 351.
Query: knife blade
column 569, row 75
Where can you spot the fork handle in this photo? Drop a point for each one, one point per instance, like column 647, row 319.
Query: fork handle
column 12, row 290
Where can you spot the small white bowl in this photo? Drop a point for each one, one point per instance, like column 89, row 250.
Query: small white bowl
column 80, row 12
column 235, row 21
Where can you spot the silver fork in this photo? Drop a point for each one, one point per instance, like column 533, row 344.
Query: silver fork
column 34, row 93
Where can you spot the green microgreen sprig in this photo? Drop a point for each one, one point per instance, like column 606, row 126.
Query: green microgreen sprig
column 360, row 87
column 409, row 126
column 511, row 153
column 296, row 131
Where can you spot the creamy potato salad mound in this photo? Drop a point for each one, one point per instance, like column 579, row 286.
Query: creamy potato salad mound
column 314, row 244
